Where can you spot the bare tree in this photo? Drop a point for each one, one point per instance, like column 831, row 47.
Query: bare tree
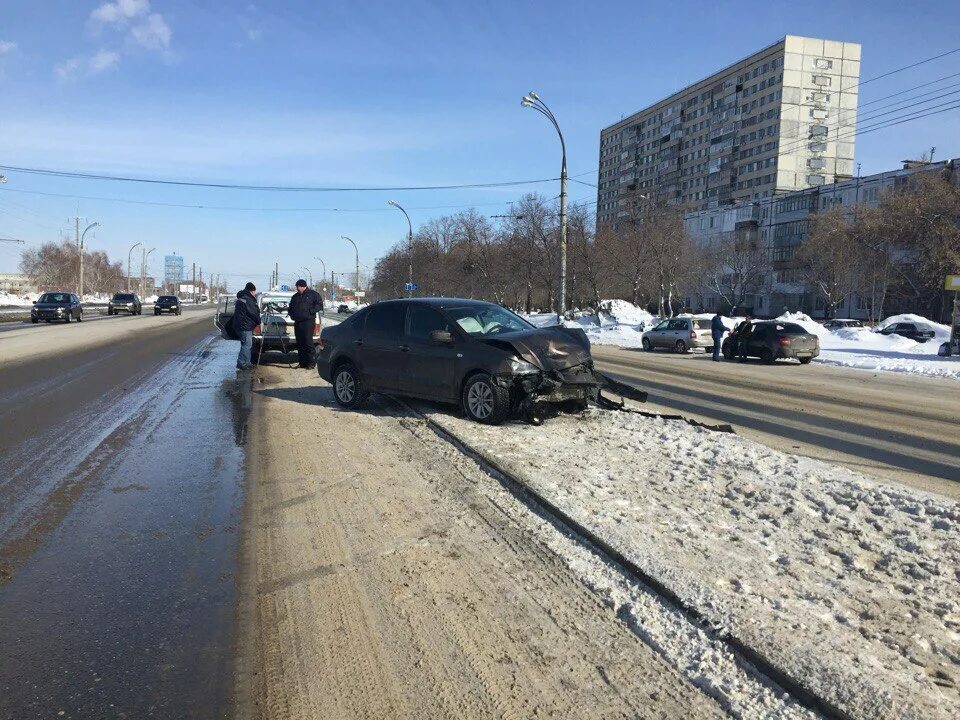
column 828, row 258
column 734, row 267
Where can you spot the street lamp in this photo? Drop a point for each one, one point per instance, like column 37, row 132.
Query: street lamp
column 309, row 274
column 129, row 259
column 143, row 269
column 80, row 243
column 532, row 100
column 357, row 254
column 409, row 247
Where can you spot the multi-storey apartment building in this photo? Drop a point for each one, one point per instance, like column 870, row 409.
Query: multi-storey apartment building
column 780, row 120
column 779, row 225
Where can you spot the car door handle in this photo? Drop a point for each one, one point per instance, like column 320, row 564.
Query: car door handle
column 404, row 348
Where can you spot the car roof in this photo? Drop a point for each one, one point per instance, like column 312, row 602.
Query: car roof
column 439, row 302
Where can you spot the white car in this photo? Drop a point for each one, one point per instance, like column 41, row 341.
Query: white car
column 275, row 331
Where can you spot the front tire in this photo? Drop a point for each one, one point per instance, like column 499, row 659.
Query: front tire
column 805, row 360
column 67, row 318
column 727, row 351
column 348, row 387
column 647, row 345
column 80, row 317
column 484, row 401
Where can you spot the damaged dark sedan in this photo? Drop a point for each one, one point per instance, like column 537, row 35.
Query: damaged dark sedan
column 490, row 361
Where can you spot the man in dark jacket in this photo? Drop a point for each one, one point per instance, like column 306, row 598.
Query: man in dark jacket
column 304, row 307
column 717, row 330
column 246, row 316
column 744, row 331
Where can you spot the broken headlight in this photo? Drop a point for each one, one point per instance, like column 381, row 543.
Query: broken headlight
column 522, row 367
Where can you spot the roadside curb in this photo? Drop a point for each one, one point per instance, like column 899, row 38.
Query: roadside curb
column 749, row 658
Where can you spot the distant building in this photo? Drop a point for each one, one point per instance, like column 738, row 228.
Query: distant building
column 172, row 270
column 780, row 224
column 16, row 284
column 780, row 120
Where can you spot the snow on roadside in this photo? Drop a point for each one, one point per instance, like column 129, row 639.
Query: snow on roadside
column 849, row 585
column 864, row 349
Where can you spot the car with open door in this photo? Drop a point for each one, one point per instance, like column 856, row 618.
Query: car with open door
column 479, row 355
column 774, row 340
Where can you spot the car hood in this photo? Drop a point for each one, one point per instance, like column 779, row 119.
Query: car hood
column 552, row 348
column 51, row 306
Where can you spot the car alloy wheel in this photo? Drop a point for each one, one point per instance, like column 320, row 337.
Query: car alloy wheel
column 480, row 400
column 681, row 346
column 345, row 387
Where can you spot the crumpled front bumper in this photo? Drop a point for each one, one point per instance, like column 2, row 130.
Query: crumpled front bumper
column 579, row 383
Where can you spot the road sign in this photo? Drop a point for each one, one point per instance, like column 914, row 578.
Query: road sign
column 284, row 288
column 360, row 293
column 953, row 283
column 411, row 287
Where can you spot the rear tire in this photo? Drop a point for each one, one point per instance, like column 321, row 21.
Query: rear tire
column 484, row 401
column 766, row 355
column 647, row 345
column 348, row 387
column 805, row 361
column 680, row 347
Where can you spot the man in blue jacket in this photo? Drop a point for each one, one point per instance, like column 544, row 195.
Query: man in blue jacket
column 246, row 316
column 717, row 330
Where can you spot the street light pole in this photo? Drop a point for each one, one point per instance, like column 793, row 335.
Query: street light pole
column 129, row 258
column 533, row 100
column 143, row 269
column 80, row 244
column 409, row 247
column 357, row 254
column 309, row 274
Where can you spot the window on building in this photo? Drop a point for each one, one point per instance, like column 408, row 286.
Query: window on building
column 822, row 80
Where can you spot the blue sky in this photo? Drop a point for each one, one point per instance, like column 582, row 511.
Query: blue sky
column 370, row 94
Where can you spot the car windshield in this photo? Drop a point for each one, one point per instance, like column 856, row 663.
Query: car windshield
column 166, row 298
column 483, row 320
column 120, row 297
column 54, row 298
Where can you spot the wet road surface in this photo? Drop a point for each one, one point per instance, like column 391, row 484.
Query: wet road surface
column 120, row 499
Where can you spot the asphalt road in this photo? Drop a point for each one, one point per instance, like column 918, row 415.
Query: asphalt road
column 890, row 425
column 90, row 315
column 121, row 475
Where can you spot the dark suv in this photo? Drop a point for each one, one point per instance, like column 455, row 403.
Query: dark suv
column 56, row 306
column 125, row 302
column 482, row 356
column 167, row 304
column 773, row 340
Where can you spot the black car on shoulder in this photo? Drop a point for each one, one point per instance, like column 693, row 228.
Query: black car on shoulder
column 479, row 355
column 912, row 331
column 343, row 310
column 57, row 306
column 125, row 302
column 167, row 304
column 772, row 340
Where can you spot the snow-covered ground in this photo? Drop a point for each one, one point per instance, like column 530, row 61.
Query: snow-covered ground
column 849, row 585
column 622, row 324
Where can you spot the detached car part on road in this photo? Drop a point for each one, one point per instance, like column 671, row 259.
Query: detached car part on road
column 57, row 306
column 490, row 361
column 125, row 302
column 772, row 340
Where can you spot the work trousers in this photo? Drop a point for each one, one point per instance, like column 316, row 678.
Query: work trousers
column 303, row 329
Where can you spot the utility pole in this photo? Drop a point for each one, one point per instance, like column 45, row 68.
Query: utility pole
column 80, row 237
column 194, row 283
column 201, row 278
column 276, row 274
column 357, row 255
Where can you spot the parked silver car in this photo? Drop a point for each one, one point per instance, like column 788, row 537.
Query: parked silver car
column 679, row 334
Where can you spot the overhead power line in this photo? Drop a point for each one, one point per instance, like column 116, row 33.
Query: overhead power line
column 265, row 188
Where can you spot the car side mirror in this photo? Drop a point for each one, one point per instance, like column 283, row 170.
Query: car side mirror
column 441, row 337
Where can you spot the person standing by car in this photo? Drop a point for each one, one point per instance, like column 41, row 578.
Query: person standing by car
column 246, row 316
column 304, row 307
column 717, row 330
column 743, row 336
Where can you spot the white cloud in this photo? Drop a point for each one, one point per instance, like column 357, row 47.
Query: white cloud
column 68, row 68
column 254, row 34
column 120, row 11
column 153, row 33
column 7, row 47
column 103, row 60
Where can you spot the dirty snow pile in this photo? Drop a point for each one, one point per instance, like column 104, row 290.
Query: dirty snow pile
column 868, row 350
column 614, row 322
column 848, row 585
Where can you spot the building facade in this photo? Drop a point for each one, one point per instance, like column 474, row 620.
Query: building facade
column 172, row 270
column 779, row 225
column 781, row 120
column 16, row 284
